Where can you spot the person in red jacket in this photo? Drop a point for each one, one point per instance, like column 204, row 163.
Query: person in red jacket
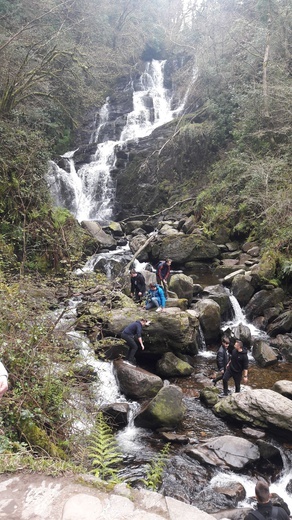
column 163, row 273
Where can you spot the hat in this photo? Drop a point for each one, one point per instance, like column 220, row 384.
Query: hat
column 147, row 322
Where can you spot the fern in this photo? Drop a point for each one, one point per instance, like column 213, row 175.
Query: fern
column 103, row 451
column 155, row 469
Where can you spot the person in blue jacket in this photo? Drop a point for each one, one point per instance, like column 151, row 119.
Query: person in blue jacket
column 155, row 298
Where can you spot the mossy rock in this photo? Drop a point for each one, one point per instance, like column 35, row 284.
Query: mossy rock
column 39, row 439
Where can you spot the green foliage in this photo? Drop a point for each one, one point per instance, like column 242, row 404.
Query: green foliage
column 155, row 469
column 103, row 451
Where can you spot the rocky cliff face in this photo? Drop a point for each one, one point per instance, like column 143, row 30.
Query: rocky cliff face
column 157, row 170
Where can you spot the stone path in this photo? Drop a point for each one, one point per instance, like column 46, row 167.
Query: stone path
column 38, row 497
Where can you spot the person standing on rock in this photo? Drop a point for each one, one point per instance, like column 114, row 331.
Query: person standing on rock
column 265, row 509
column 138, row 285
column 236, row 368
column 130, row 334
column 222, row 359
column 3, row 380
column 163, row 273
column 155, row 298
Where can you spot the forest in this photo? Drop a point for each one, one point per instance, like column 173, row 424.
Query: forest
column 59, row 61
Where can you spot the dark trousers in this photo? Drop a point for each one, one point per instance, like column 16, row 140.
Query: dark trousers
column 218, row 377
column 133, row 347
column 236, row 377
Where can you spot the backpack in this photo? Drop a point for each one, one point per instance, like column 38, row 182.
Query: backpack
column 159, row 265
column 259, row 516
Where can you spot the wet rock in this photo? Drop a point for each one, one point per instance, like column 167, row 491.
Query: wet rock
column 182, row 285
column 210, row 318
column 185, row 248
column 234, row 491
column 270, row 452
column 284, row 387
column 251, row 432
column 234, row 451
column 243, row 333
column 219, row 295
column 261, row 408
column 227, row 280
column 172, row 329
column 184, row 478
column 118, row 412
column 284, row 344
column 209, row 396
column 175, row 438
column 242, row 289
column 165, row 410
column 102, row 238
column 262, row 300
column 264, row 354
column 281, row 325
column 205, row 456
column 171, row 366
column 135, row 382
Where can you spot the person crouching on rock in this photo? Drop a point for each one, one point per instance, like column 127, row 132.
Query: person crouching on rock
column 138, row 286
column 130, row 334
column 155, row 298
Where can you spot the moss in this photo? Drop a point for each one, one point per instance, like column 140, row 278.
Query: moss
column 39, row 439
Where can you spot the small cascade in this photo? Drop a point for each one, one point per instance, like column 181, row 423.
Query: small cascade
column 130, row 439
column 203, row 347
column 239, row 318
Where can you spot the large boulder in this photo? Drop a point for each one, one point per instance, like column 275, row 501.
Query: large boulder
column 219, row 295
column 182, row 286
column 243, row 333
column 135, row 382
column 263, row 353
column 103, row 239
column 283, row 342
column 262, row 408
column 171, row 366
column 263, row 300
column 209, row 313
column 281, row 325
column 166, row 410
column 172, row 329
column 284, row 387
column 226, row 451
column 185, row 248
column 242, row 288
column 236, row 452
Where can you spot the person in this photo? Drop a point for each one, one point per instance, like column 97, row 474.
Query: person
column 129, row 334
column 236, row 367
column 163, row 273
column 155, row 298
column 3, row 379
column 265, row 509
column 222, row 359
column 138, row 285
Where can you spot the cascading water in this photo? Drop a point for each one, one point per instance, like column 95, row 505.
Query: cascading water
column 89, row 192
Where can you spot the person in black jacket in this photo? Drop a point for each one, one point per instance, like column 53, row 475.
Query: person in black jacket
column 236, row 367
column 130, row 334
column 222, row 359
column 265, row 509
column 138, row 285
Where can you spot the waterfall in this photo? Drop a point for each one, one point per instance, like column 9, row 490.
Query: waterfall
column 89, row 192
column 239, row 317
